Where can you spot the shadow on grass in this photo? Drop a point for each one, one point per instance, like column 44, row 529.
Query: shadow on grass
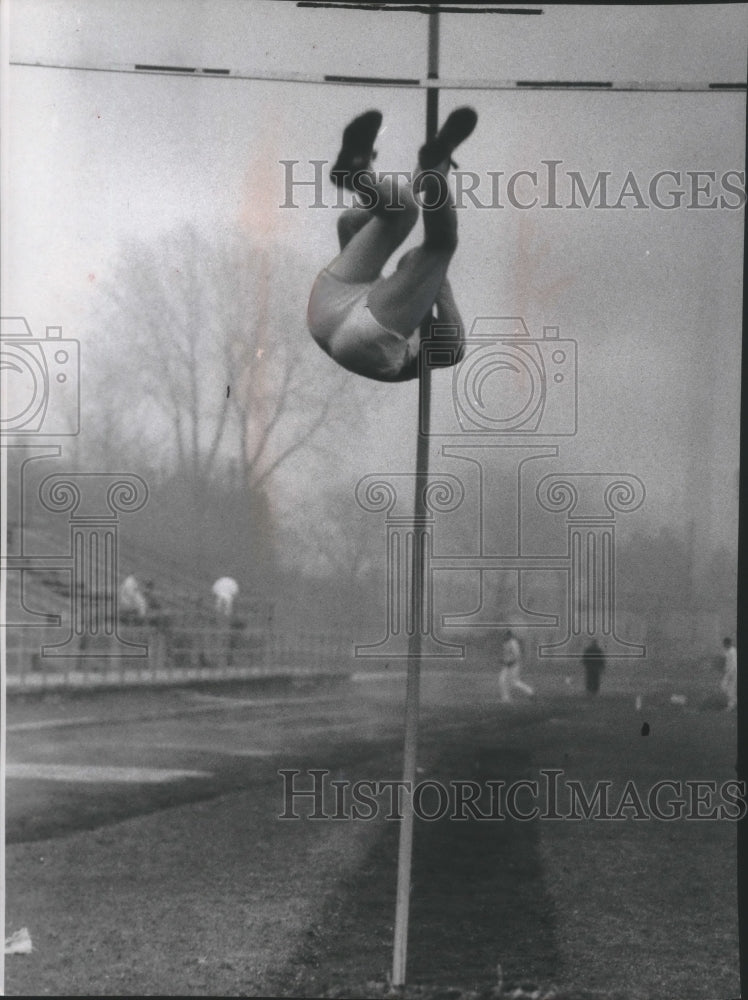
column 477, row 901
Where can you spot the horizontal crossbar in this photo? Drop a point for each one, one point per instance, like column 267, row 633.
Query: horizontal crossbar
column 419, row 8
column 404, row 82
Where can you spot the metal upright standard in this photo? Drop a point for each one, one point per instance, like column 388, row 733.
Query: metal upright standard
column 412, row 690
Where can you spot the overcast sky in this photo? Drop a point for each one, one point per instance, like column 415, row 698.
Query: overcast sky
column 652, row 297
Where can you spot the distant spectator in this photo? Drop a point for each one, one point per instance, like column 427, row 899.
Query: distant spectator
column 158, row 615
column 511, row 664
column 149, row 589
column 729, row 682
column 132, row 600
column 225, row 590
column 593, row 660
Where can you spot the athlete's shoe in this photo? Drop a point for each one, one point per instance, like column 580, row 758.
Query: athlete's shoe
column 455, row 130
column 357, row 150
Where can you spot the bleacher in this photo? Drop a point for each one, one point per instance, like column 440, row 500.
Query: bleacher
column 182, row 638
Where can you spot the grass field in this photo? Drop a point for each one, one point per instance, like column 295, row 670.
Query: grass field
column 218, row 897
column 629, row 908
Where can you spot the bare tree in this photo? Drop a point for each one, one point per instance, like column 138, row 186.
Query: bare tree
column 200, row 364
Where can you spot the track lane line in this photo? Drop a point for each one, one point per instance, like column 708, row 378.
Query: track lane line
column 89, row 773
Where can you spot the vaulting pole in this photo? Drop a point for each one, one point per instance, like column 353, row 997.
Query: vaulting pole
column 418, row 583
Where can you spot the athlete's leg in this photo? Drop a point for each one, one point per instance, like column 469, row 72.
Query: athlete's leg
column 448, row 316
column 401, row 301
column 370, row 235
column 351, row 222
column 730, row 687
column 447, row 330
column 517, row 683
column 372, row 230
column 504, row 688
column 520, row 685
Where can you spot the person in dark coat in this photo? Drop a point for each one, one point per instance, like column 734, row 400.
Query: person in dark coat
column 593, row 660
